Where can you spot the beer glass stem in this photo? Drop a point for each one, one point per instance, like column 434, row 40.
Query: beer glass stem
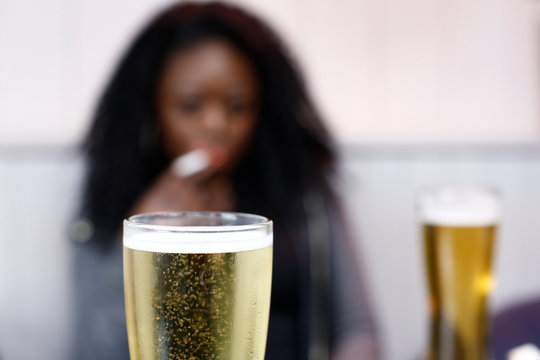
column 447, row 343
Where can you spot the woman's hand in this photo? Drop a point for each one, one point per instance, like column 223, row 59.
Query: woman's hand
column 204, row 190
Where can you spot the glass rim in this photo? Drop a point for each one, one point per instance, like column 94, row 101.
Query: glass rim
column 134, row 222
column 479, row 188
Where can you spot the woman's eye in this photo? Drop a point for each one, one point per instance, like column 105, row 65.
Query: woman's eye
column 238, row 107
column 189, row 106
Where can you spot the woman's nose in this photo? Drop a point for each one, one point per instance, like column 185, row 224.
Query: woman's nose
column 215, row 119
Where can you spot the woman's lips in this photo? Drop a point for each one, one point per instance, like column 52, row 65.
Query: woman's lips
column 218, row 154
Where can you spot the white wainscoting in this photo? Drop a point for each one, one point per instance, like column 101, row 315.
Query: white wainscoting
column 381, row 183
column 38, row 195
column 38, row 189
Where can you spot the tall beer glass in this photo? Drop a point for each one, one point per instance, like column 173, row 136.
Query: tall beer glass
column 459, row 226
column 197, row 285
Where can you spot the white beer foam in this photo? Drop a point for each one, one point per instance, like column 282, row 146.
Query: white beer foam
column 463, row 207
column 197, row 242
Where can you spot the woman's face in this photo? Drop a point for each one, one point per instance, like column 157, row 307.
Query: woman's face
column 208, row 97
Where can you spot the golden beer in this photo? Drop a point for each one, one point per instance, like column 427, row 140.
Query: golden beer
column 196, row 295
column 459, row 228
column 459, row 273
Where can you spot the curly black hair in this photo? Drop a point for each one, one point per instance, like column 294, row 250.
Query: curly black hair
column 291, row 150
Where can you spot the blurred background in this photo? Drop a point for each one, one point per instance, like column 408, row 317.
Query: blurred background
column 417, row 92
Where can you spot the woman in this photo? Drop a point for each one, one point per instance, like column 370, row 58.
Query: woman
column 212, row 78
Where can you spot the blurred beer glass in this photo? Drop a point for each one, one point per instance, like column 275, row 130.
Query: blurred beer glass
column 459, row 226
column 197, row 285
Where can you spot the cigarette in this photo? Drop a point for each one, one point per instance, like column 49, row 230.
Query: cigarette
column 191, row 163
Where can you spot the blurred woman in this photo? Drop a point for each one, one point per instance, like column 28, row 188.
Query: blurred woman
column 213, row 78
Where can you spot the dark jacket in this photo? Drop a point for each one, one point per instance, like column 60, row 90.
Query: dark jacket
column 318, row 298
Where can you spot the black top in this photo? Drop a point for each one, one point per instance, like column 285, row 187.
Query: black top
column 100, row 329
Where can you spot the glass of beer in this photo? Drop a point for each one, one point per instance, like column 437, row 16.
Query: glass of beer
column 197, row 285
column 459, row 226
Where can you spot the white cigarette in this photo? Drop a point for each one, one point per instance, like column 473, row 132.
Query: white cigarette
column 191, row 163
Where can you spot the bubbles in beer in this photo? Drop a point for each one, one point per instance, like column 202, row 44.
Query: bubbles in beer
column 197, row 306
column 197, row 285
column 192, row 303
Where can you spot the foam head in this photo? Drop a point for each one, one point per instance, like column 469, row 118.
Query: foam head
column 205, row 232
column 459, row 206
